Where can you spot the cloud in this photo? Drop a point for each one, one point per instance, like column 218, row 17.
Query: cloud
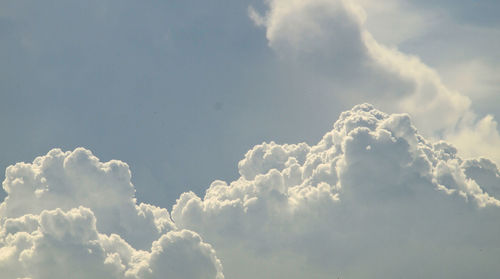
column 68, row 180
column 57, row 244
column 329, row 39
column 372, row 188
column 373, row 199
column 69, row 215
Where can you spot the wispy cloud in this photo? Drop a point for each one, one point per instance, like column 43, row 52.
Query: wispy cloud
column 329, row 38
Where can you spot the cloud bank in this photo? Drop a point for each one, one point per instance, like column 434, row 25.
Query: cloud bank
column 68, row 215
column 373, row 199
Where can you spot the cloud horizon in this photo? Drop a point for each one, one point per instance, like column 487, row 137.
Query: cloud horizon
column 373, row 184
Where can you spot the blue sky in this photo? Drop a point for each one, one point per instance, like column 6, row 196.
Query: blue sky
column 182, row 90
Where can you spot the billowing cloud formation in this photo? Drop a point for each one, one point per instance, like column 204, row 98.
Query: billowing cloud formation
column 68, row 180
column 331, row 40
column 372, row 199
column 370, row 192
column 68, row 215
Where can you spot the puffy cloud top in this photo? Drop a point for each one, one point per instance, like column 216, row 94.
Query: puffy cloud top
column 371, row 188
column 57, row 244
column 371, row 180
column 68, row 215
column 68, row 180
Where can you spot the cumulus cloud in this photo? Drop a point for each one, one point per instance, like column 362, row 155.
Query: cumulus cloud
column 373, row 198
column 68, row 180
column 68, row 215
column 330, row 40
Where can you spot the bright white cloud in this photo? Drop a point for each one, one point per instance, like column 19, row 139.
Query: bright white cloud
column 68, row 180
column 330, row 39
column 57, row 244
column 372, row 188
column 68, row 215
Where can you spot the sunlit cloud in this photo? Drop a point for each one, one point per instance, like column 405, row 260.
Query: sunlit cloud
column 373, row 185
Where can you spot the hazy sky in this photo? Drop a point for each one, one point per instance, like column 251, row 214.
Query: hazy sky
column 172, row 86
column 181, row 90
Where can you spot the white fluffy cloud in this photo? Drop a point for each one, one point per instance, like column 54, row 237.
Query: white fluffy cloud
column 373, row 199
column 68, row 215
column 330, row 40
column 68, row 180
column 370, row 192
column 57, row 244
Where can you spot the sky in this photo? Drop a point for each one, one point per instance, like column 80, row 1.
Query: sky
column 271, row 139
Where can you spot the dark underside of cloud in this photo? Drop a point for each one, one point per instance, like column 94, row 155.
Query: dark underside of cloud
column 372, row 199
